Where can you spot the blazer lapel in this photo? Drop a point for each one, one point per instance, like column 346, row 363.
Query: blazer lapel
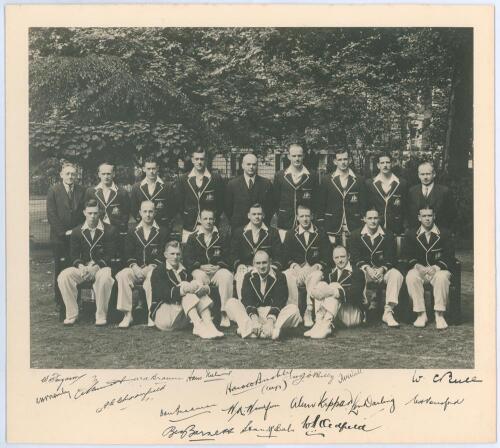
column 255, row 282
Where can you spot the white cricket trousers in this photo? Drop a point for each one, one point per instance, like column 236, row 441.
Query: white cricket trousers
column 393, row 280
column 288, row 317
column 344, row 313
column 126, row 279
column 68, row 281
column 222, row 279
column 441, row 288
column 238, row 278
column 175, row 317
column 293, row 282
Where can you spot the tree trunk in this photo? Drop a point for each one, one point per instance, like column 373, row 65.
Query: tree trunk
column 459, row 138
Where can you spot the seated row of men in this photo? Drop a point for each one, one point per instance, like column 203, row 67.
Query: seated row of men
column 177, row 293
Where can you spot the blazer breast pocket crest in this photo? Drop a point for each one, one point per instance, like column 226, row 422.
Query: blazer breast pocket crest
column 209, row 196
column 397, row 202
column 159, row 205
column 115, row 210
column 354, row 199
column 306, row 195
column 217, row 252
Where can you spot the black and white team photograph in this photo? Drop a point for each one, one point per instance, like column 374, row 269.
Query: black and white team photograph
column 251, row 198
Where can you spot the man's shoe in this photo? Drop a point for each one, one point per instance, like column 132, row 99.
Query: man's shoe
column 150, row 322
column 225, row 322
column 70, row 322
column 314, row 329
column 126, row 321
column 308, row 319
column 323, row 330
column 388, row 318
column 246, row 330
column 100, row 322
column 203, row 331
column 421, row 320
column 441, row 322
column 276, row 333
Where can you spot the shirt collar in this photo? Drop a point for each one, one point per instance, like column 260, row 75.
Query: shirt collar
column 380, row 231
column 101, row 187
column 178, row 270
column 247, row 177
column 347, row 267
column 145, row 181
column 380, row 178
column 249, row 227
column 205, row 174
column 99, row 226
column 434, row 230
column 304, row 170
column 200, row 230
column 156, row 226
column 311, row 229
column 271, row 273
column 337, row 173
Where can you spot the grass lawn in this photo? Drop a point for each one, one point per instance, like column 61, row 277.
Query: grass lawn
column 85, row 346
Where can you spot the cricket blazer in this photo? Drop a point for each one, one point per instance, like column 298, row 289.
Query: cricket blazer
column 197, row 253
column 439, row 251
column 275, row 294
column 191, row 199
column 116, row 210
column 239, row 198
column 440, row 199
column 352, row 282
column 144, row 252
column 295, row 250
column 64, row 213
column 100, row 249
column 380, row 253
column 337, row 203
column 243, row 247
column 392, row 205
column 162, row 197
column 288, row 195
column 165, row 287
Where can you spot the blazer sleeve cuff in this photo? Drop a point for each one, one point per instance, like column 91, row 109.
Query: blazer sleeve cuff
column 236, row 264
column 101, row 263
column 223, row 264
column 412, row 263
column 131, row 261
column 77, row 262
column 443, row 265
column 251, row 310
column 274, row 311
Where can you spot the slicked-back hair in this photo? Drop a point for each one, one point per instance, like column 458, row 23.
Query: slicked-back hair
column 91, row 203
column 341, row 151
column 174, row 243
column 371, row 208
column 384, row 154
column 211, row 210
column 66, row 165
column 150, row 159
column 112, row 165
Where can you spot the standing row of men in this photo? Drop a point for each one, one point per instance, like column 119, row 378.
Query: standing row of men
column 339, row 203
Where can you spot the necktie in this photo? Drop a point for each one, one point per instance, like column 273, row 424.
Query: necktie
column 70, row 191
column 426, row 191
column 263, row 284
column 250, row 183
column 306, row 237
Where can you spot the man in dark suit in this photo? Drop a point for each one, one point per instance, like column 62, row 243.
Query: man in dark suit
column 291, row 187
column 342, row 200
column 206, row 256
column 152, row 188
column 433, row 195
column 246, row 190
column 338, row 297
column 64, row 212
column 430, row 252
column 263, row 310
column 200, row 189
column 389, row 194
column 247, row 240
column 144, row 252
column 306, row 253
column 373, row 250
column 92, row 246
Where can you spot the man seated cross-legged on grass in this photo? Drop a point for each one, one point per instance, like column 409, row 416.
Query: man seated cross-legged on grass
column 263, row 311
column 177, row 299
column 92, row 245
column 338, row 297
column 430, row 254
column 206, row 256
column 373, row 250
column 144, row 252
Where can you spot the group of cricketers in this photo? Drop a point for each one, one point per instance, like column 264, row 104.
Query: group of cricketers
column 332, row 258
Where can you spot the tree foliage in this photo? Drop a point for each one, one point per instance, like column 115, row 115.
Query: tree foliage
column 123, row 93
